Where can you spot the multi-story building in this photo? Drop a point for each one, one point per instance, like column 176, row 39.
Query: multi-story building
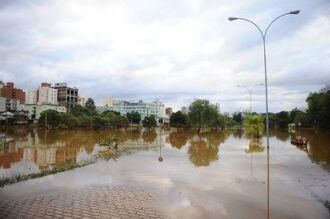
column 8, row 104
column 108, row 102
column 34, row 110
column 66, row 96
column 155, row 108
column 47, row 94
column 10, row 92
column 31, row 97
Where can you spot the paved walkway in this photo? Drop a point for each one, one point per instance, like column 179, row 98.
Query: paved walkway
column 86, row 202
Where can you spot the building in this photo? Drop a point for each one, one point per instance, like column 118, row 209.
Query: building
column 108, row 102
column 8, row 104
column 34, row 110
column 155, row 108
column 169, row 111
column 10, row 92
column 82, row 101
column 66, row 96
column 47, row 94
column 31, row 97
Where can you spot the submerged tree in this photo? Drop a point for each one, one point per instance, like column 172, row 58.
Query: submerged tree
column 178, row 120
column 149, row 122
column 254, row 126
column 202, row 113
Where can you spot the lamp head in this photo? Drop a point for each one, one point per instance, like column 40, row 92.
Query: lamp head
column 232, row 18
column 294, row 12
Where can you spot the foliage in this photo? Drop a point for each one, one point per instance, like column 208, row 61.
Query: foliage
column 106, row 112
column 254, row 126
column 202, row 113
column 178, row 120
column 149, row 122
column 134, row 117
column 238, row 118
column 223, row 121
column 319, row 108
column 90, row 104
column 119, row 121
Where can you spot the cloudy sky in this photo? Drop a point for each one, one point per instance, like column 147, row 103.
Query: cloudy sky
column 173, row 50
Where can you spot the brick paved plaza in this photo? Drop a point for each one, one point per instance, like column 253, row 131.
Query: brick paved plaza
column 84, row 202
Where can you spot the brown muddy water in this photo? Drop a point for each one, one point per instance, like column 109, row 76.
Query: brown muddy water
column 215, row 175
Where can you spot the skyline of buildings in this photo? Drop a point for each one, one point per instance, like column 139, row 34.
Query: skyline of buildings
column 62, row 98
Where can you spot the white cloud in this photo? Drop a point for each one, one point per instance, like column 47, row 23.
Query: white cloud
column 171, row 50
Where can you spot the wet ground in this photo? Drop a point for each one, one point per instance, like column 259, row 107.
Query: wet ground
column 215, row 175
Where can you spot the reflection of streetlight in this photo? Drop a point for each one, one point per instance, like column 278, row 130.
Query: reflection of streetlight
column 263, row 35
column 250, row 92
column 160, row 158
column 254, row 146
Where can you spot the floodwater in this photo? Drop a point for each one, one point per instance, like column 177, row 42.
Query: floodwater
column 215, row 175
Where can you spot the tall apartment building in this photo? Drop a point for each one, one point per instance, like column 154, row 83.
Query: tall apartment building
column 47, row 94
column 66, row 96
column 31, row 97
column 10, row 92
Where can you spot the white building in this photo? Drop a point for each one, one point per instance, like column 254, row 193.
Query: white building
column 82, row 101
column 31, row 97
column 155, row 108
column 108, row 102
column 34, row 110
column 7, row 104
column 47, row 94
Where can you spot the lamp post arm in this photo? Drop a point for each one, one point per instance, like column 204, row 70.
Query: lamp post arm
column 274, row 21
column 254, row 24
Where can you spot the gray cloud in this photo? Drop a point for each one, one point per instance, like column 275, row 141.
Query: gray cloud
column 171, row 50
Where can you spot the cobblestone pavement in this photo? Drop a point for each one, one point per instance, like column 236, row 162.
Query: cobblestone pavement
column 85, row 202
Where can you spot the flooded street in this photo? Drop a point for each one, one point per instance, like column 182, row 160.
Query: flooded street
column 215, row 175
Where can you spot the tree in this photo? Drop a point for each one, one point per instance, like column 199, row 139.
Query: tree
column 202, row 113
column 254, row 126
column 90, row 104
column 52, row 117
column 283, row 119
column 106, row 112
column 319, row 108
column 178, row 120
column 119, row 121
column 149, row 122
column 238, row 118
column 134, row 117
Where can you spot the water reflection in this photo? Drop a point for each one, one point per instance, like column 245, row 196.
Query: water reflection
column 33, row 150
column 202, row 152
column 178, row 139
column 318, row 148
column 255, row 146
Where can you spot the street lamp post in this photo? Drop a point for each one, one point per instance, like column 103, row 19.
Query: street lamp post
column 263, row 35
column 250, row 93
